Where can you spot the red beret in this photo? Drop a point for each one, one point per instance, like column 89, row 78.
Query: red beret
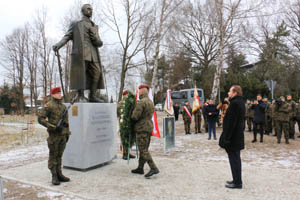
column 125, row 92
column 55, row 90
column 144, row 86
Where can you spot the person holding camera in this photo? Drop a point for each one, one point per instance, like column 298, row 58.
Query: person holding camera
column 282, row 119
column 259, row 117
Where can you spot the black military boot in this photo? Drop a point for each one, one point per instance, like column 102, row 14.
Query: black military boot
column 92, row 95
column 138, row 171
column 151, row 173
column 55, row 180
column 125, row 156
column 287, row 141
column 61, row 177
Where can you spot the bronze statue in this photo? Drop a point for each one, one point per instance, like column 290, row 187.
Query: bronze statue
column 86, row 68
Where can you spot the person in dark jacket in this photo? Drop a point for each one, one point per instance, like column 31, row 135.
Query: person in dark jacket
column 232, row 137
column 259, row 118
column 176, row 108
column 212, row 113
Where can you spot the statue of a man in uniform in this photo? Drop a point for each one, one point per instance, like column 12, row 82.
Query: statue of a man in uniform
column 86, row 68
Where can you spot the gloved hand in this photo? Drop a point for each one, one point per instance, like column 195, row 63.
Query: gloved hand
column 51, row 127
column 67, row 138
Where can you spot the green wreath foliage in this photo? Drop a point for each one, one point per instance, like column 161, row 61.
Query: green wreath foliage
column 126, row 125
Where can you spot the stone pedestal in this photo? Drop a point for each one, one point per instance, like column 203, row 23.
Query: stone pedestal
column 92, row 142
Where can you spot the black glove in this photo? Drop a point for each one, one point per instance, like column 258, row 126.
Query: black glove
column 58, row 129
column 67, row 138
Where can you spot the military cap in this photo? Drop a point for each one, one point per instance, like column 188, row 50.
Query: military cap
column 144, row 86
column 288, row 94
column 125, row 92
column 55, row 90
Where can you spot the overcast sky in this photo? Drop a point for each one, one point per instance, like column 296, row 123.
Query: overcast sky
column 15, row 13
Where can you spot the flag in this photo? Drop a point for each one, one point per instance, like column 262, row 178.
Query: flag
column 137, row 95
column 155, row 131
column 168, row 108
column 196, row 101
column 187, row 111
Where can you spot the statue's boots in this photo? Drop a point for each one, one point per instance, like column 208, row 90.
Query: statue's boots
column 55, row 180
column 92, row 95
column 81, row 97
column 61, row 177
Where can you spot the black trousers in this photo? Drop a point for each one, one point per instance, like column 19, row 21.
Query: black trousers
column 258, row 127
column 236, row 166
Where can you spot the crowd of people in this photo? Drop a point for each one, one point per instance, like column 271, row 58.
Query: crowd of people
column 262, row 116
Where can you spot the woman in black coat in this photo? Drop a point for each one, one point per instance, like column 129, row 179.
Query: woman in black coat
column 212, row 113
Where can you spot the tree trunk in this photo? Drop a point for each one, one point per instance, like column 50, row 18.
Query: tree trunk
column 218, row 72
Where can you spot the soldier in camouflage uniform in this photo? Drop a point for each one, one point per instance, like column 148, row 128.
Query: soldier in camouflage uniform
column 274, row 117
column 119, row 112
column 292, row 115
column 298, row 115
column 249, row 115
column 186, row 119
column 282, row 119
column 197, row 115
column 49, row 117
column 142, row 115
column 268, row 117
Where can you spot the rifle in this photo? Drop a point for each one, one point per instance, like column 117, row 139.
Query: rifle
column 60, row 72
column 60, row 123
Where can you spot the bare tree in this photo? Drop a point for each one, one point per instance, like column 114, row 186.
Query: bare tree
column 130, row 40
column 293, row 22
column 226, row 14
column 31, row 55
column 163, row 22
column 40, row 23
column 13, row 48
column 199, row 32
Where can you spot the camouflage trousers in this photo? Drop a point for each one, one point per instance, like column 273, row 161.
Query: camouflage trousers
column 282, row 126
column 56, row 145
column 143, row 140
column 197, row 123
column 249, row 122
column 291, row 128
column 274, row 126
column 187, row 126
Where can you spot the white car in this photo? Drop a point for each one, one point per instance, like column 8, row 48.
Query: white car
column 158, row 107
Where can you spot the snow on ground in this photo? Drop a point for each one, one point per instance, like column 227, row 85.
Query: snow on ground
column 195, row 169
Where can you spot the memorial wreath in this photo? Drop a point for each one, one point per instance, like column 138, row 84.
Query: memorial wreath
column 126, row 124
